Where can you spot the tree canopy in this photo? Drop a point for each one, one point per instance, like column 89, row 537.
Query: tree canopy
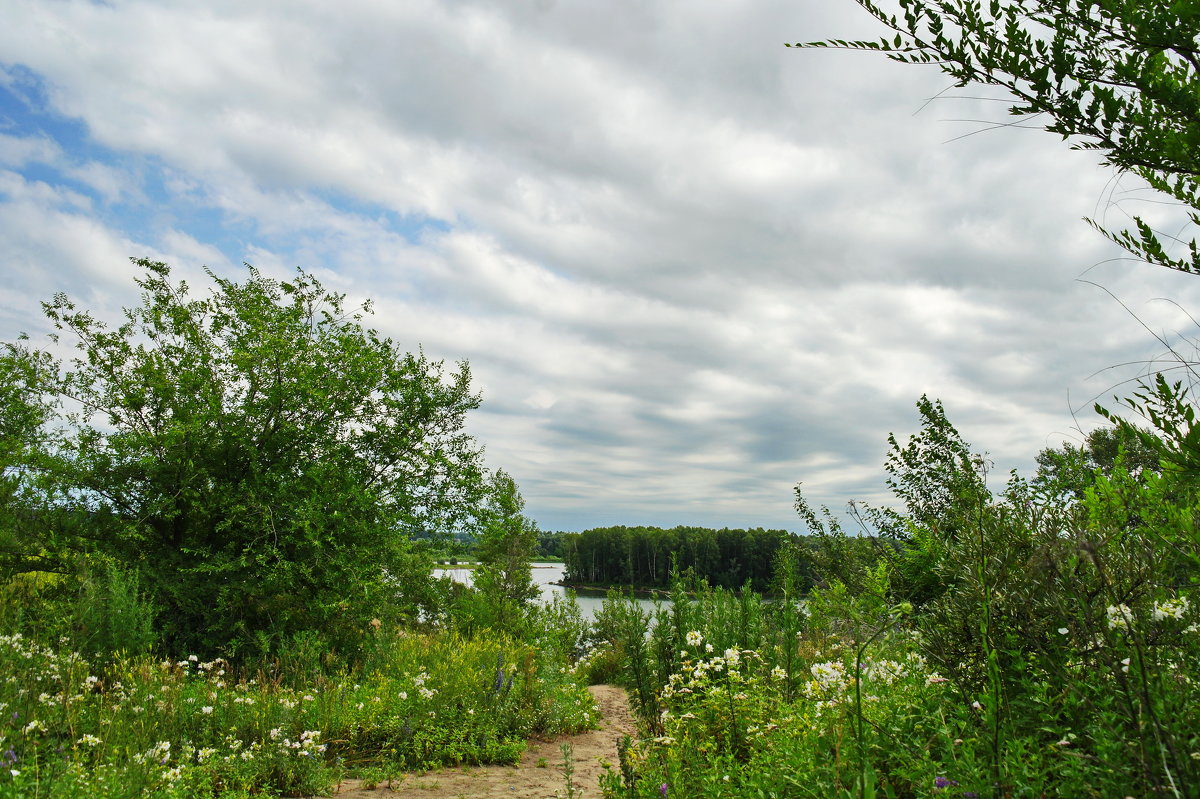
column 259, row 457
column 1119, row 77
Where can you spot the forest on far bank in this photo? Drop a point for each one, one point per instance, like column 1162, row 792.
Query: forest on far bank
column 645, row 557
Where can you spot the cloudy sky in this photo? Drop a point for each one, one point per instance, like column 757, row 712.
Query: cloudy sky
column 689, row 267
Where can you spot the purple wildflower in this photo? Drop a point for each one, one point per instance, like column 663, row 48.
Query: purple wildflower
column 662, row 789
column 944, row 782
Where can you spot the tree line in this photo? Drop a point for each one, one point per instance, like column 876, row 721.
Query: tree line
column 646, row 556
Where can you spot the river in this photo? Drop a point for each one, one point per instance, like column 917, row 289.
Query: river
column 546, row 575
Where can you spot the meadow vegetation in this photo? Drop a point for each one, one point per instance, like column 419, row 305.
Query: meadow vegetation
column 139, row 726
column 173, row 623
column 1042, row 641
column 216, row 526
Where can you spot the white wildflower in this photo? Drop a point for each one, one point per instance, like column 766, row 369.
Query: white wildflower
column 1170, row 609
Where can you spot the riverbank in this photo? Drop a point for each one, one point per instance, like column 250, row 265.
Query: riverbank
column 645, row 593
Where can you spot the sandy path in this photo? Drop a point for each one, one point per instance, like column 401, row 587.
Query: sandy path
column 527, row 780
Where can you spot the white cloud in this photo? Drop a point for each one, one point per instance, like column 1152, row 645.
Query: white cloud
column 17, row 151
column 689, row 267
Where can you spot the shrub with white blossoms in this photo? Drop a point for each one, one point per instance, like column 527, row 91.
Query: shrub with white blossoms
column 1118, row 616
column 883, row 671
column 159, row 753
column 729, row 698
column 705, row 673
column 1170, row 609
column 829, row 677
column 307, row 745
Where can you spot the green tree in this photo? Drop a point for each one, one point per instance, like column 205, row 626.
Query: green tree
column 261, row 458
column 937, row 477
column 941, row 486
column 1068, row 471
column 27, row 541
column 506, row 547
column 1119, row 77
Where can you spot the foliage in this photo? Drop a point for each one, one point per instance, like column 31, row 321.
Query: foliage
column 253, row 481
column 936, row 476
column 1173, row 438
column 1120, row 78
column 506, row 546
column 1058, row 657
column 260, row 458
column 26, row 408
column 197, row 728
column 645, row 556
column 110, row 614
column 940, row 485
column 1067, row 472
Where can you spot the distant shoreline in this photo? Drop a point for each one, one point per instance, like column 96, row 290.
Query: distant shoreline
column 606, row 588
column 476, row 565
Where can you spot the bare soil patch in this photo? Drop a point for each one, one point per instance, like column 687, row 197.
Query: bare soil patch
column 540, row 772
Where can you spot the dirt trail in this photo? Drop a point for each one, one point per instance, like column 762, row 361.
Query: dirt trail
column 540, row 773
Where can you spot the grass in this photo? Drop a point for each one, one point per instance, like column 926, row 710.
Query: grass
column 145, row 727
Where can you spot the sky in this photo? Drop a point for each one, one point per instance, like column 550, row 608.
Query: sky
column 689, row 267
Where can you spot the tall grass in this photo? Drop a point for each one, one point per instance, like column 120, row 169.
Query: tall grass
column 137, row 726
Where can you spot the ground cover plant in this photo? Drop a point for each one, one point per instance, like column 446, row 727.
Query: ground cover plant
column 141, row 726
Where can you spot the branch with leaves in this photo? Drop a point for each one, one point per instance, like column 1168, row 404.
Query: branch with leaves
column 1121, row 78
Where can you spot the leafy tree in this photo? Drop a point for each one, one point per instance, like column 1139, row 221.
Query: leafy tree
column 1119, row 77
column 1069, row 470
column 936, row 476
column 940, row 484
column 261, row 458
column 506, row 546
column 25, row 411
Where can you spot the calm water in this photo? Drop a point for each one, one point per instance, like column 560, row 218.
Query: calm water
column 545, row 575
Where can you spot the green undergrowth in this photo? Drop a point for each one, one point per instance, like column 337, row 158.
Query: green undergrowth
column 841, row 697
column 195, row 728
column 1041, row 641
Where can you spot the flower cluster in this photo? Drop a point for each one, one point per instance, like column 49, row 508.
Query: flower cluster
column 1118, row 616
column 885, row 671
column 700, row 674
column 1170, row 609
column 829, row 677
column 307, row 745
column 159, row 753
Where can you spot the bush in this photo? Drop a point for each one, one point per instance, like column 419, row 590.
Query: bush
column 257, row 455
